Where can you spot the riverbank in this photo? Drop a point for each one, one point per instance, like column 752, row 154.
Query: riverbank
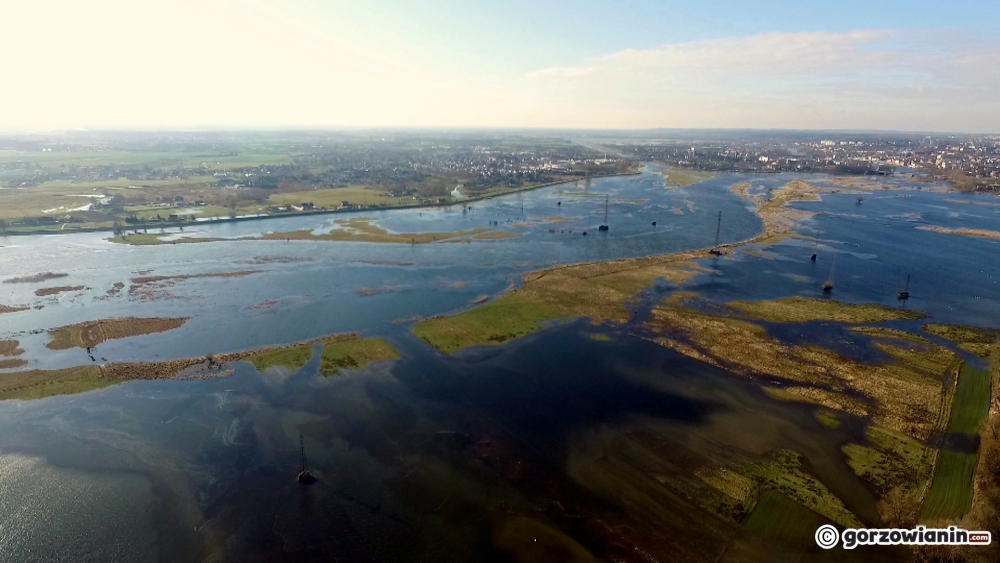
column 180, row 225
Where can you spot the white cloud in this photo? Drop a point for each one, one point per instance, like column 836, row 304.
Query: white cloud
column 858, row 79
column 774, row 53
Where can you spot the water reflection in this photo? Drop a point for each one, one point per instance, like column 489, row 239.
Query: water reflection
column 428, row 458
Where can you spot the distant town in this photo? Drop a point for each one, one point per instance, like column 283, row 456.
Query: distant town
column 130, row 180
column 972, row 163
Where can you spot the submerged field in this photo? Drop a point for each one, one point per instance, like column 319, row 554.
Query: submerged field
column 339, row 351
column 906, row 399
column 691, row 415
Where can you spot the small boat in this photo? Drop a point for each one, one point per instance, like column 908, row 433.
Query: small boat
column 654, row 223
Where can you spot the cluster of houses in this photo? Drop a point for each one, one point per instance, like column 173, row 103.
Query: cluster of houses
column 304, row 206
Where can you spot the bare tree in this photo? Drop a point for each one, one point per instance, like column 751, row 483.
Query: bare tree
column 899, row 508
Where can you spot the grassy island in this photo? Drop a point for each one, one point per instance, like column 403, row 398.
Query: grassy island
column 339, row 351
column 685, row 177
column 804, row 309
column 91, row 333
column 599, row 291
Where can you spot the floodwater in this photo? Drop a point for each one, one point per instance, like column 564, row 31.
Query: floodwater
column 556, row 438
column 421, row 460
column 876, row 244
column 318, row 297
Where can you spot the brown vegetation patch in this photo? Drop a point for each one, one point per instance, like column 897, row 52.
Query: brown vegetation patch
column 91, row 333
column 36, row 278
column 11, row 363
column 966, row 202
column 45, row 291
column 144, row 239
column 368, row 292
column 818, row 396
column 364, row 230
column 154, row 287
column 981, row 233
column 159, row 279
column 804, row 309
column 259, row 260
column 495, row 235
column 855, row 182
column 262, row 306
column 888, row 333
column 978, row 341
column 908, row 393
column 776, row 216
column 386, row 262
column 13, row 309
column 10, row 348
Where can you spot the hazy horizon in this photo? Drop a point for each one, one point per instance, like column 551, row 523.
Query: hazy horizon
column 444, row 64
column 471, row 129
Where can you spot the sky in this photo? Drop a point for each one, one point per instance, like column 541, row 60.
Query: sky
column 917, row 65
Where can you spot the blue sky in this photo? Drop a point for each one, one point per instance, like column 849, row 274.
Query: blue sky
column 528, row 34
column 913, row 65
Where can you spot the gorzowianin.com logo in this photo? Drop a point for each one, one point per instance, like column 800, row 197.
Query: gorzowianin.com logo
column 828, row 536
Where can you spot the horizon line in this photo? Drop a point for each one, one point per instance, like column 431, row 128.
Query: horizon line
column 445, row 128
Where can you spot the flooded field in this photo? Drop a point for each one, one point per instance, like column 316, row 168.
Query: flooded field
column 578, row 442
